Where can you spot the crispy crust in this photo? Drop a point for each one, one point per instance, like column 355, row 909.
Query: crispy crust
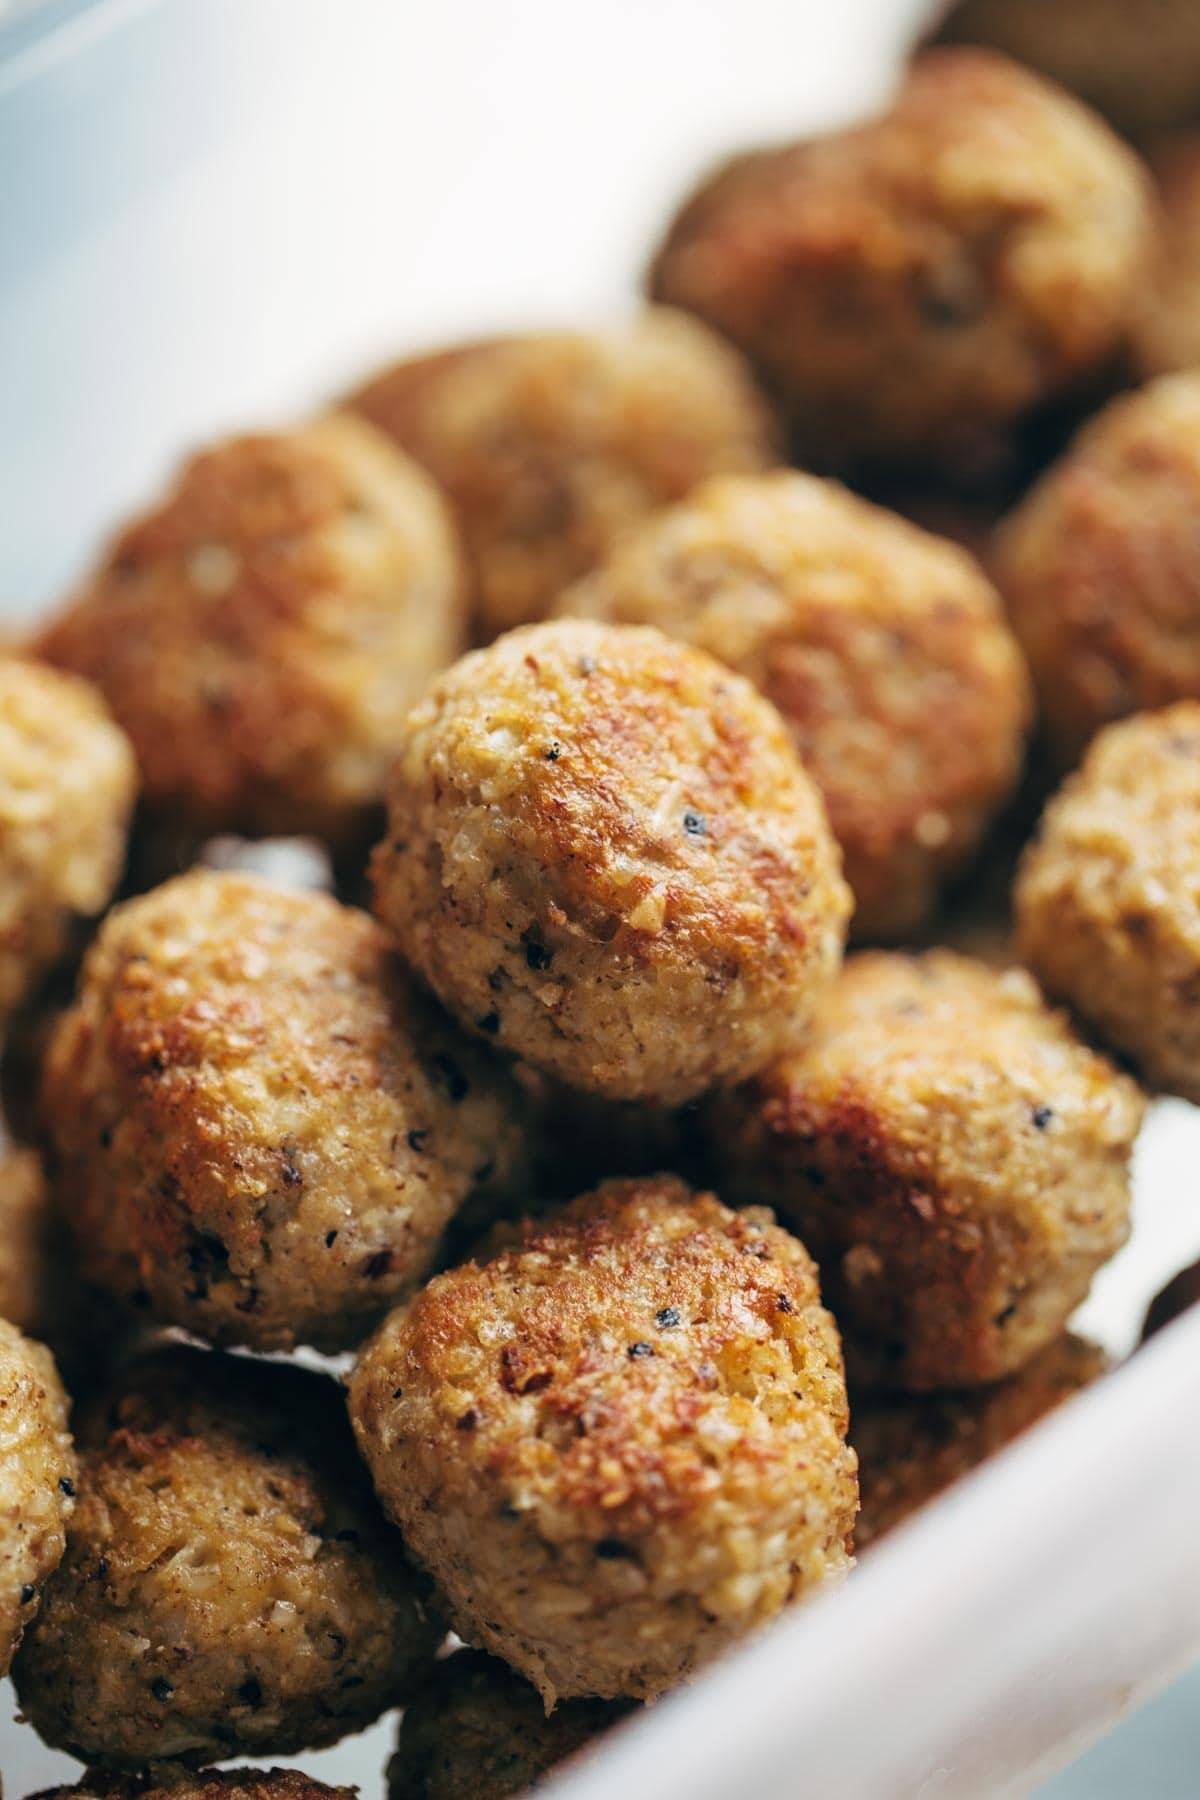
column 168, row 1781
column 37, row 1481
column 956, row 1159
column 229, row 1587
column 913, row 286
column 261, row 630
column 617, row 1444
column 258, row 1126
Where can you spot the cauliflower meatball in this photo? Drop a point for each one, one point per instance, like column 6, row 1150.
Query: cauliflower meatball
column 259, row 632
column 604, row 854
column 230, row 1587
column 1106, row 896
column 37, row 1481
column 957, row 1161
column 885, row 650
column 1100, row 567
column 617, row 1443
column 67, row 782
column 912, row 1447
column 258, row 1127
column 549, row 446
column 914, row 287
column 476, row 1731
column 1166, row 333
column 175, row 1781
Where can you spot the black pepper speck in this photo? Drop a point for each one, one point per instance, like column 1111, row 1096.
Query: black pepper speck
column 161, row 1688
column 1041, row 1116
column 668, row 1318
column 640, row 1349
column 695, row 824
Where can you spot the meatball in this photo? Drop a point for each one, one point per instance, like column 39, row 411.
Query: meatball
column 67, row 782
column 259, row 632
column 175, row 1781
column 911, row 1448
column 1106, row 895
column 1138, row 63
column 476, row 1731
column 915, row 287
column 37, row 1481
column 259, row 1128
column 1166, row 333
column 956, row 1160
column 550, row 446
column 230, row 1587
column 885, row 650
column 617, row 1443
column 605, row 854
column 1101, row 570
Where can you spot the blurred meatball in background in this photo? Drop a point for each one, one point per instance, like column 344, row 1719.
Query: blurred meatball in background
column 38, row 1475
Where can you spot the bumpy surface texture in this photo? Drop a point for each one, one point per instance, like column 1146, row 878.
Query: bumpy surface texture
column 910, row 1449
column 177, row 1782
column 230, row 1587
column 617, row 1444
column 915, row 285
column 1106, row 900
column 260, row 631
column 37, row 1480
column 550, row 446
column 476, row 1731
column 955, row 1159
column 885, row 650
column 1166, row 333
column 258, row 1127
column 1100, row 570
column 67, row 784
column 604, row 853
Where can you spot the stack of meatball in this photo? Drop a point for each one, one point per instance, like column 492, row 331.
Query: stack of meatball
column 719, row 713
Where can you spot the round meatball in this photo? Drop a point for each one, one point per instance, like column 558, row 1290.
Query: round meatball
column 258, row 1127
column 605, row 854
column 885, row 650
column 549, row 446
column 915, row 286
column 175, row 1781
column 37, row 1481
column 1106, row 896
column 259, row 632
column 617, row 1443
column 1138, row 63
column 912, row 1447
column 476, row 1731
column 1166, row 333
column 957, row 1161
column 230, row 1587
column 67, row 783
column 1100, row 567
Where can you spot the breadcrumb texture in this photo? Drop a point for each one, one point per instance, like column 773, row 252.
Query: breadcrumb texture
column 550, row 446
column 1099, row 566
column 884, row 648
column 1166, row 334
column 261, row 630
column 67, row 782
column 230, row 1587
column 955, row 1158
column 911, row 1448
column 476, row 1731
column 259, row 1128
column 1106, row 903
column 167, row 1781
column 914, row 285
column 37, row 1481
column 618, row 1444
column 605, row 854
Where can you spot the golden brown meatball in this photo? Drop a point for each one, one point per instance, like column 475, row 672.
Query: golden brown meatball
column 1106, row 896
column 550, row 446
column 915, row 286
column 1137, row 61
column 259, row 1128
column 175, row 1781
column 261, row 630
column 67, row 785
column 957, row 1161
column 911, row 1448
column 617, row 1444
column 476, row 1731
column 1166, row 333
column 37, row 1481
column 605, row 854
column 1100, row 567
column 885, row 650
column 230, row 1587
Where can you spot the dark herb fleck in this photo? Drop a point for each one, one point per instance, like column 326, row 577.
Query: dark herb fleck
column 537, row 956
column 161, row 1688
column 397, row 1393
column 67, row 1486
column 553, row 752
column 468, row 1420
column 1042, row 1116
column 27, row 1593
column 641, row 1348
column 668, row 1318
column 330, row 1239
column 695, row 824
column 291, row 1174
column 784, row 1304
column 416, row 1140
